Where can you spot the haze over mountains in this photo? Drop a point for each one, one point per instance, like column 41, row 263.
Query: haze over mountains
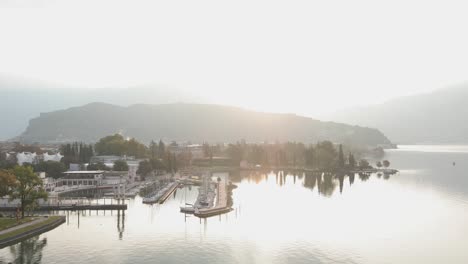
column 432, row 118
column 185, row 122
column 23, row 99
column 439, row 117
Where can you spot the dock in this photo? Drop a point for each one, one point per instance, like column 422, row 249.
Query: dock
column 161, row 195
column 69, row 207
column 168, row 193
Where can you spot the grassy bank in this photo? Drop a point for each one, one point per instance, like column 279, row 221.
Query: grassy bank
column 49, row 220
column 11, row 222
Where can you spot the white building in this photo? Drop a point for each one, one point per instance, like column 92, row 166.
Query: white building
column 26, row 157
column 76, row 178
column 54, row 157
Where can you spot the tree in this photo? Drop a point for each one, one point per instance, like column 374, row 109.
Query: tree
column 161, row 149
column 174, row 163
column 363, row 164
column 236, row 153
column 53, row 169
column 144, row 168
column 341, row 160
column 76, row 153
column 117, row 145
column 157, row 164
column 98, row 166
column 325, row 154
column 7, row 182
column 153, row 149
column 29, row 187
column 351, row 161
column 111, row 145
column 379, row 164
column 120, row 165
column 309, row 157
column 386, row 163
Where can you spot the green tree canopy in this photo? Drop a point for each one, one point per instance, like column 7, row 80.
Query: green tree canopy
column 351, row 161
column 120, row 165
column 364, row 164
column 157, row 164
column 386, row 163
column 341, row 160
column 379, row 164
column 29, row 187
column 98, row 166
column 325, row 155
column 144, row 168
column 7, row 182
column 53, row 169
column 117, row 145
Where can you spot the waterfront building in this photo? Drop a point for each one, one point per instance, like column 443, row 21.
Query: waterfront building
column 77, row 178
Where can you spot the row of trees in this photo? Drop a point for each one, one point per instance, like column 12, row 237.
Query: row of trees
column 118, row 145
column 76, row 153
column 323, row 155
column 169, row 163
column 22, row 183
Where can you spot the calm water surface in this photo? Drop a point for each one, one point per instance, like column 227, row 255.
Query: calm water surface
column 417, row 216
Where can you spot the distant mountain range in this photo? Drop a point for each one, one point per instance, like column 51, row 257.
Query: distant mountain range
column 439, row 117
column 23, row 99
column 189, row 122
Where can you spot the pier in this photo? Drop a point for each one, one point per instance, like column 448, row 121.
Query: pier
column 161, row 195
column 68, row 205
column 221, row 206
column 71, row 207
column 166, row 195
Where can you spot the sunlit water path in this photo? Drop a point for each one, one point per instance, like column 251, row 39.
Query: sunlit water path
column 417, row 216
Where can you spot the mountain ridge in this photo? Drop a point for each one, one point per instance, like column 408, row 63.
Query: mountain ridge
column 435, row 117
column 189, row 122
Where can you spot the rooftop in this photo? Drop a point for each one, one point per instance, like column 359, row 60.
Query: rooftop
column 84, row 172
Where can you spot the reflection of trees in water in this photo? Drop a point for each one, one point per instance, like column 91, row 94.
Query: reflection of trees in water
column 364, row 176
column 310, row 181
column 28, row 251
column 351, row 178
column 326, row 183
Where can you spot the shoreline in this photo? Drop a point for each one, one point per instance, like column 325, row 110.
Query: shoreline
column 29, row 231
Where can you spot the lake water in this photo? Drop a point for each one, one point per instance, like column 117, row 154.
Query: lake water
column 417, row 216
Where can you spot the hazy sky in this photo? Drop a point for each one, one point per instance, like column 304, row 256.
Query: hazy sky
column 307, row 57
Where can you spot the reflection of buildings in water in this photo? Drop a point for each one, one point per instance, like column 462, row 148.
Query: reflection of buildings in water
column 28, row 251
